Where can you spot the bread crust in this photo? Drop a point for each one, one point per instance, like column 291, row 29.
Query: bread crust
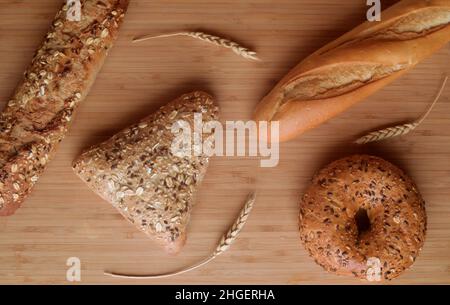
column 394, row 207
column 41, row 109
column 137, row 172
column 367, row 59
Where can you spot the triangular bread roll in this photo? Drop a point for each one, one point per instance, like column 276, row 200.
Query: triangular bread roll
column 137, row 172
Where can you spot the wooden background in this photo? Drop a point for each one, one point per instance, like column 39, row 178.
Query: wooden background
column 63, row 219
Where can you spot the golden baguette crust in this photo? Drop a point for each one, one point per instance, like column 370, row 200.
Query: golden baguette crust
column 139, row 175
column 356, row 65
column 39, row 113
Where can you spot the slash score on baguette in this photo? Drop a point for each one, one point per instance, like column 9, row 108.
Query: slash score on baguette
column 356, row 65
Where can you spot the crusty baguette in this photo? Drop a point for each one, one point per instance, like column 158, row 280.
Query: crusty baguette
column 139, row 175
column 356, row 65
column 38, row 115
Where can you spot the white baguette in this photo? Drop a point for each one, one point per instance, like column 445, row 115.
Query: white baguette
column 356, row 65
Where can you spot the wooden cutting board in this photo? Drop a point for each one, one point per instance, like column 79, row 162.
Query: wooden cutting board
column 63, row 219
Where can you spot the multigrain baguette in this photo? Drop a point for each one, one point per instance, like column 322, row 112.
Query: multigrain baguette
column 356, row 65
column 138, row 173
column 38, row 115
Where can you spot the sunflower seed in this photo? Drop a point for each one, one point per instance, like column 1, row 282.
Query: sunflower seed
column 169, row 182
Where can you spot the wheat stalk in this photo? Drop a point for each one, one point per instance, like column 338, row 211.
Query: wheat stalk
column 218, row 41
column 399, row 130
column 224, row 244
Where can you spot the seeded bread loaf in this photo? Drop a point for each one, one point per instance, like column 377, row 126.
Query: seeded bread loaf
column 38, row 115
column 138, row 173
column 356, row 65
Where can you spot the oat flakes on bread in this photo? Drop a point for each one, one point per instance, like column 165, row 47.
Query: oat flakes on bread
column 41, row 109
column 356, row 65
column 137, row 173
column 364, row 217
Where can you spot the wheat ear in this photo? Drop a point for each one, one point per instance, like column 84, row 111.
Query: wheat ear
column 218, row 41
column 224, row 244
column 400, row 130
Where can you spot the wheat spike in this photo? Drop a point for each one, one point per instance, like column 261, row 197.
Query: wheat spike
column 399, row 130
column 218, row 41
column 224, row 244
column 231, row 235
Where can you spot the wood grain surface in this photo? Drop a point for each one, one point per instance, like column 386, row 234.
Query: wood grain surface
column 63, row 219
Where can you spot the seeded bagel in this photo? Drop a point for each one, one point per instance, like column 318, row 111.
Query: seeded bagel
column 362, row 216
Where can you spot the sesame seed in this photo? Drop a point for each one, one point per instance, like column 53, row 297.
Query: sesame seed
column 139, row 191
column 104, row 33
column 158, row 227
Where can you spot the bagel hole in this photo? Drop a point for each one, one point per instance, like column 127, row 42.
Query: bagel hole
column 362, row 221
